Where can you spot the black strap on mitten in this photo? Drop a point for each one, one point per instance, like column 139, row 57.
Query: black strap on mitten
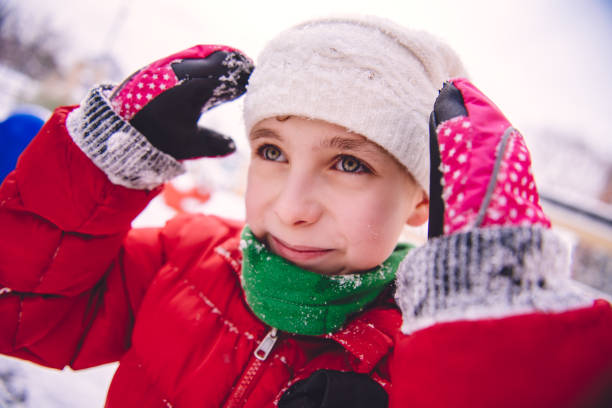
column 335, row 389
column 449, row 104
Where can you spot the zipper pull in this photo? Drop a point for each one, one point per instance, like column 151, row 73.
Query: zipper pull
column 267, row 344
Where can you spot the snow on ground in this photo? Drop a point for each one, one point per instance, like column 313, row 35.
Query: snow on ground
column 27, row 385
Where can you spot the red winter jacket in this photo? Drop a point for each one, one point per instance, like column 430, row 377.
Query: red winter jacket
column 78, row 287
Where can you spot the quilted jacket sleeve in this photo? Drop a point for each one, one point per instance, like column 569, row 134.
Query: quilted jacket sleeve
column 66, row 297
column 532, row 360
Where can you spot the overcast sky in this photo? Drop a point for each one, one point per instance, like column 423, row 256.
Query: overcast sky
column 546, row 63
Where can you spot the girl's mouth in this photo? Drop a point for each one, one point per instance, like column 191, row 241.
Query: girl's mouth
column 296, row 253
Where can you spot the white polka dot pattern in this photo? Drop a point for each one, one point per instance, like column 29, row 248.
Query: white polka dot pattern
column 468, row 163
column 154, row 79
column 143, row 87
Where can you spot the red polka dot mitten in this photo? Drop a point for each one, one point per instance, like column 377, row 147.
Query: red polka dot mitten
column 138, row 131
column 486, row 176
column 490, row 252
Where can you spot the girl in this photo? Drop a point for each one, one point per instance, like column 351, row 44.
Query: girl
column 296, row 307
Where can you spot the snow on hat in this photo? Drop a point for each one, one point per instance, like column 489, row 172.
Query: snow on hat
column 364, row 73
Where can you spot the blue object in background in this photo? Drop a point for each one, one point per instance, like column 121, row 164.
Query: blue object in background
column 16, row 132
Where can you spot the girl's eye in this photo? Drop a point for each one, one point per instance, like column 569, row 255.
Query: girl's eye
column 271, row 152
column 350, row 164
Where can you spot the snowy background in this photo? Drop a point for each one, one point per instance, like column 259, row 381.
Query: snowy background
column 546, row 64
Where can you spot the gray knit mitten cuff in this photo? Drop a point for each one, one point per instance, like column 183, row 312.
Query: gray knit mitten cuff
column 486, row 273
column 119, row 150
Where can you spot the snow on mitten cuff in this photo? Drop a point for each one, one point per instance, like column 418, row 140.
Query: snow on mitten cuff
column 119, row 150
column 486, row 273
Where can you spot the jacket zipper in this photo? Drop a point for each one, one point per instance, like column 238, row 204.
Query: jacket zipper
column 242, row 389
column 266, row 345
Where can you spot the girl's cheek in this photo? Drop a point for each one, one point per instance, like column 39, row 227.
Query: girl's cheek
column 259, row 195
column 361, row 219
column 376, row 219
column 252, row 197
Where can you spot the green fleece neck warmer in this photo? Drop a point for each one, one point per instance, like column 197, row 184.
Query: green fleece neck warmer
column 295, row 300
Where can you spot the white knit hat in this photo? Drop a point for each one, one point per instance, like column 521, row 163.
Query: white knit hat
column 364, row 73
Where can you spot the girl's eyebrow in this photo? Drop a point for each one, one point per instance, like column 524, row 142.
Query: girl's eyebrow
column 264, row 132
column 335, row 142
column 345, row 143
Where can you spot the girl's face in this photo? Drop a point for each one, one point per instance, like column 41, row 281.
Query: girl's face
column 327, row 199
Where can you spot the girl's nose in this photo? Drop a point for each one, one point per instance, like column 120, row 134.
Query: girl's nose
column 298, row 201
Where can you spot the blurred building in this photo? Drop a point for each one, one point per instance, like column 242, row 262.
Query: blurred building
column 575, row 184
column 69, row 85
column 15, row 88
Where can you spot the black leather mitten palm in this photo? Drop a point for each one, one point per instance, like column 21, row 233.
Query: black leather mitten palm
column 137, row 133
